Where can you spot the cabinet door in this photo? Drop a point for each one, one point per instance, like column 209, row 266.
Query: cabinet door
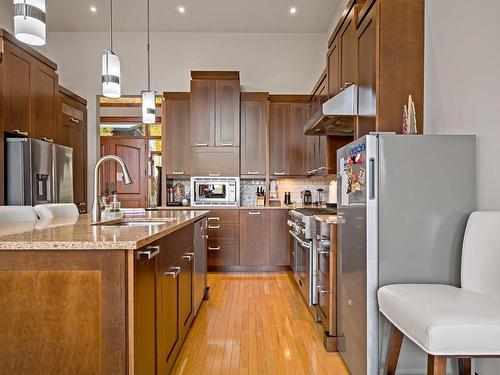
column 279, row 139
column 44, row 97
column 367, row 100
column 79, row 144
column 202, row 112
column 145, row 273
column 334, row 68
column 178, row 125
column 133, row 153
column 186, row 291
column 215, row 161
column 254, row 237
column 168, row 317
column 227, row 113
column 16, row 87
column 279, row 239
column 348, row 51
column 298, row 141
column 253, row 137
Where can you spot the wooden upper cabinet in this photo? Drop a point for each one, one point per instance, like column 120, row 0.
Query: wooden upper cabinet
column 71, row 131
column 202, row 112
column 333, row 62
column 254, row 237
column 367, row 75
column 215, row 161
column 279, row 139
column 16, row 70
column 176, row 133
column 347, row 39
column 227, row 113
column 44, row 101
column 299, row 113
column 254, row 119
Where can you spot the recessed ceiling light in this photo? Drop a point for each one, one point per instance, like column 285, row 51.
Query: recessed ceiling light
column 293, row 10
column 93, row 9
column 181, row 9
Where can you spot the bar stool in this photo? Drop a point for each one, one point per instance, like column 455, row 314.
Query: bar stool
column 446, row 321
column 52, row 210
column 15, row 214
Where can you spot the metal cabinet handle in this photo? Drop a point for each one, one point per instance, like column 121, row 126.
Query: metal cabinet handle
column 253, row 172
column 214, row 227
column 178, row 172
column 20, row 132
column 279, row 173
column 150, row 252
column 226, row 143
column 214, row 175
column 213, row 218
column 201, row 144
column 322, row 252
column 174, row 273
column 321, row 168
column 214, row 248
column 254, row 212
column 72, row 119
column 323, row 291
column 48, row 139
column 188, row 256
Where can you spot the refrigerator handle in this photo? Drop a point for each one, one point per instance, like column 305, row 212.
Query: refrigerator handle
column 372, row 178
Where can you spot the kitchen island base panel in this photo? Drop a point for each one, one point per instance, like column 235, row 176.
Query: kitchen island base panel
column 248, row 268
column 329, row 342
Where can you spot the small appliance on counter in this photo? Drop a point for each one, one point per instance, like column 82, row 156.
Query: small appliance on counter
column 288, row 198
column 320, row 192
column 307, row 197
column 332, row 194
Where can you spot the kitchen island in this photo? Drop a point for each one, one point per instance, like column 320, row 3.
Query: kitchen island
column 112, row 298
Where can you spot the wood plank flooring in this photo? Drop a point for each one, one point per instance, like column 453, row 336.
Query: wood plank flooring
column 255, row 324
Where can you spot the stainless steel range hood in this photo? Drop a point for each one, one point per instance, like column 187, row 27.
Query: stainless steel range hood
column 336, row 116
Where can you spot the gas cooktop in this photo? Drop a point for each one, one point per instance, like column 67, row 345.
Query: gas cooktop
column 310, row 211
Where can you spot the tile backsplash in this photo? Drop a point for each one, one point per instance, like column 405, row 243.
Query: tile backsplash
column 295, row 186
column 248, row 190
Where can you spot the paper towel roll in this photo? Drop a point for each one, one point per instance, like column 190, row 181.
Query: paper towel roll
column 332, row 192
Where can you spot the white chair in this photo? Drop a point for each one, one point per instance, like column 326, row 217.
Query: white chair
column 52, row 210
column 446, row 321
column 15, row 214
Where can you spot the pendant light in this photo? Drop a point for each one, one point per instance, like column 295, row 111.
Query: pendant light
column 111, row 87
column 29, row 21
column 148, row 96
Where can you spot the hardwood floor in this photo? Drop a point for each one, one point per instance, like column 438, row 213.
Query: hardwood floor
column 255, row 324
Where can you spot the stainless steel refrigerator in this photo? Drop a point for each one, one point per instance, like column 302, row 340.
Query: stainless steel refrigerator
column 37, row 172
column 403, row 203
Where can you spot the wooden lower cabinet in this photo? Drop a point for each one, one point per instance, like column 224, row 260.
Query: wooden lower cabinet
column 279, row 238
column 223, row 238
column 254, row 237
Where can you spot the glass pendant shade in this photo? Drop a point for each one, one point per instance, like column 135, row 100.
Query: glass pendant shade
column 148, row 107
column 29, row 21
column 111, row 75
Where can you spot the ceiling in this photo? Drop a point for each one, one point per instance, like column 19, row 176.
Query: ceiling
column 264, row 16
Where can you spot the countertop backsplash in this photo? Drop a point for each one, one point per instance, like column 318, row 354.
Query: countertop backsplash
column 248, row 190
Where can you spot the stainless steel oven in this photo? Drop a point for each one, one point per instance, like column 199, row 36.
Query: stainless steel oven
column 215, row 191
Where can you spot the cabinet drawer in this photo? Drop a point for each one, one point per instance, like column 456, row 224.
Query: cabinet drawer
column 223, row 233
column 223, row 216
column 223, row 255
column 323, row 257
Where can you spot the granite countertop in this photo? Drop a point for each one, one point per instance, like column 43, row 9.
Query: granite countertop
column 328, row 219
column 282, row 207
column 78, row 233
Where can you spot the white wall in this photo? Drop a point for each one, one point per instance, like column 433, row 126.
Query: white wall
column 462, row 82
column 279, row 63
column 6, row 21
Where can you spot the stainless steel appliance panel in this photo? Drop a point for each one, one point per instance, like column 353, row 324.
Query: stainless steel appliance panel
column 200, row 262
column 63, row 174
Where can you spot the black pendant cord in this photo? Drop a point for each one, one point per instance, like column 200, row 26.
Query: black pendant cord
column 111, row 25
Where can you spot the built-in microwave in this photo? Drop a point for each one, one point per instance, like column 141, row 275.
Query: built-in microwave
column 215, row 191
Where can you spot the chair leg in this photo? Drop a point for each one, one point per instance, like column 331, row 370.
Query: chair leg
column 464, row 366
column 436, row 365
column 394, row 349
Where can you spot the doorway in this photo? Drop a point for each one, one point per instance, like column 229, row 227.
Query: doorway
column 122, row 133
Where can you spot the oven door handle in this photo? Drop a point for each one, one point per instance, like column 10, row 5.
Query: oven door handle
column 302, row 243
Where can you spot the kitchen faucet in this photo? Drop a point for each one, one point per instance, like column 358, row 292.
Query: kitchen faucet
column 97, row 207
